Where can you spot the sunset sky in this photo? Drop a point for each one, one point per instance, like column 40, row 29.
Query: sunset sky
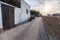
column 45, row 6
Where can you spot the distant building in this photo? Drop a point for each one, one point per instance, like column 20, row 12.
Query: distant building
column 49, row 15
column 56, row 14
column 13, row 12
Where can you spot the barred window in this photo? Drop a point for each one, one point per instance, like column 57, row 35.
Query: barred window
column 27, row 11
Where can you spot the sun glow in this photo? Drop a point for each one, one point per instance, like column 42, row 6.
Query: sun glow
column 47, row 8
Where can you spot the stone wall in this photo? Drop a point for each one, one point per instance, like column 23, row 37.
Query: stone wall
column 52, row 25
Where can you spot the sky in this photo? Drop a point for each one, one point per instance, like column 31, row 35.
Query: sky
column 45, row 6
column 33, row 3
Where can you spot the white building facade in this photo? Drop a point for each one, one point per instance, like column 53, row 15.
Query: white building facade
column 22, row 14
column 18, row 15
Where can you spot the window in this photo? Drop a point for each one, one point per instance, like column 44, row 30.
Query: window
column 27, row 11
column 13, row 2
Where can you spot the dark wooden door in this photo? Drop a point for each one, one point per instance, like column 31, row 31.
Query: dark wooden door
column 7, row 16
column 11, row 16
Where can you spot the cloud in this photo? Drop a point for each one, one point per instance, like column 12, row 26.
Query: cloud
column 34, row 3
column 38, row 3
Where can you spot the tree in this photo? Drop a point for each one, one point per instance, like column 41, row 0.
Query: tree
column 35, row 13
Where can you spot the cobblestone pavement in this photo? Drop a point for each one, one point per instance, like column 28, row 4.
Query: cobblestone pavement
column 33, row 30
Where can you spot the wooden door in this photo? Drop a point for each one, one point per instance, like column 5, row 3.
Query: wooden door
column 7, row 16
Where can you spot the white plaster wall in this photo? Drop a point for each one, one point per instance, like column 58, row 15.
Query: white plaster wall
column 17, row 13
column 20, row 13
column 0, row 18
column 25, row 6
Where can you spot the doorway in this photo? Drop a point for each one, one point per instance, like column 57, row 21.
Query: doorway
column 7, row 16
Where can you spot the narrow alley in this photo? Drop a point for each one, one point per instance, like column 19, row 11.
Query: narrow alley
column 33, row 30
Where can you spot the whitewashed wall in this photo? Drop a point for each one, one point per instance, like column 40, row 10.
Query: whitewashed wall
column 25, row 6
column 20, row 13
column 17, row 14
column 0, row 18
